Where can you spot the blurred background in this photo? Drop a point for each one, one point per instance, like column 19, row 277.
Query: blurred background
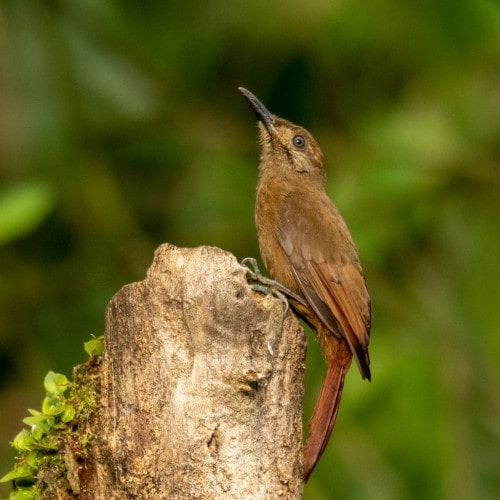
column 121, row 127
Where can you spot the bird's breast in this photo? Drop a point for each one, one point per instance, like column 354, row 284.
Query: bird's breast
column 267, row 219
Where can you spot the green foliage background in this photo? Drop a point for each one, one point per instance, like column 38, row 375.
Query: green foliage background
column 121, row 127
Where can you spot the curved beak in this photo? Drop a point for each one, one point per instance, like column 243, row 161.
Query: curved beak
column 261, row 112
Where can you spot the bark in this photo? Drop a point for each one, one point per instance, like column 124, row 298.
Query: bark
column 201, row 387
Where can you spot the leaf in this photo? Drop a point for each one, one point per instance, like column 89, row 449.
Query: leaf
column 35, row 413
column 53, row 405
column 42, row 422
column 68, row 414
column 19, row 471
column 33, row 459
column 23, row 494
column 94, row 347
column 23, row 441
column 23, row 207
column 37, row 433
column 55, row 383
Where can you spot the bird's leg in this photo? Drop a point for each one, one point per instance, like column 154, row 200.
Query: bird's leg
column 262, row 284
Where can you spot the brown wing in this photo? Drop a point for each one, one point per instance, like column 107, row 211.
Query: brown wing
column 325, row 264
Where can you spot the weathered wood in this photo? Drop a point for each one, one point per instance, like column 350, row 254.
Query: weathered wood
column 201, row 386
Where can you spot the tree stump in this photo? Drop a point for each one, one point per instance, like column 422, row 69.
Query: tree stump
column 201, row 387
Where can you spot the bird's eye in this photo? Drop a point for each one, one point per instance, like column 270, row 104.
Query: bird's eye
column 298, row 141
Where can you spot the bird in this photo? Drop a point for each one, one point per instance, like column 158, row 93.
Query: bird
column 307, row 249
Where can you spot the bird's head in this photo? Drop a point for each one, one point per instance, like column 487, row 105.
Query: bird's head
column 284, row 144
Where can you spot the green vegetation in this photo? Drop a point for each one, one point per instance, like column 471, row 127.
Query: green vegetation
column 34, row 445
column 121, row 127
column 40, row 463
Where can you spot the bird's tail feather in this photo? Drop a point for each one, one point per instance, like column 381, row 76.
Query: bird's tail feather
column 325, row 412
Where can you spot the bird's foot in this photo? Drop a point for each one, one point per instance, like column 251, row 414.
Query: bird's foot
column 262, row 284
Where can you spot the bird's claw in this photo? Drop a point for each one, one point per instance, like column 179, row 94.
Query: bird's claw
column 262, row 284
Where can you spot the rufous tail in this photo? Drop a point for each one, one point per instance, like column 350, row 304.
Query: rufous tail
column 325, row 412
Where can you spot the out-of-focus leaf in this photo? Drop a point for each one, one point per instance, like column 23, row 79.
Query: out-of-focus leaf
column 23, row 207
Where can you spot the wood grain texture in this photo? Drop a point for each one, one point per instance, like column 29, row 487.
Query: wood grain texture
column 202, row 381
